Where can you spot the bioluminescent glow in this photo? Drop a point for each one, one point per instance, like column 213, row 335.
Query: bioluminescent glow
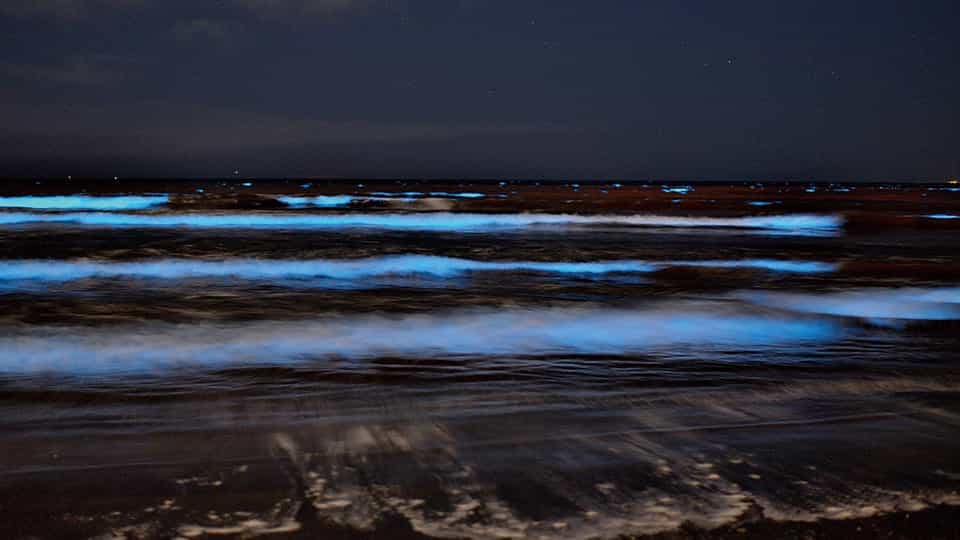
column 84, row 202
column 683, row 190
column 942, row 216
column 298, row 269
column 417, row 194
column 872, row 304
column 404, row 194
column 764, row 203
column 773, row 265
column 320, row 201
column 795, row 224
column 159, row 347
column 464, row 195
column 353, row 269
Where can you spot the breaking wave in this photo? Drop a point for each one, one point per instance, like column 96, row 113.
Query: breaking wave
column 798, row 224
column 152, row 348
column 84, row 202
column 349, row 269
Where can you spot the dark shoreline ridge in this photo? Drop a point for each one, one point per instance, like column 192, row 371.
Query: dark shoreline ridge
column 941, row 522
column 935, row 523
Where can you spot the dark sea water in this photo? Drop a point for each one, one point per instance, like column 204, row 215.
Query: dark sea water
column 395, row 364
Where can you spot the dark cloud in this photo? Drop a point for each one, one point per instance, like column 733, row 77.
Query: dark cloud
column 301, row 7
column 65, row 9
column 205, row 29
column 78, row 9
column 73, row 70
column 162, row 130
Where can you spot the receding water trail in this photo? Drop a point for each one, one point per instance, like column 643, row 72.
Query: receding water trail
column 84, row 202
column 354, row 269
column 791, row 224
column 873, row 304
column 158, row 348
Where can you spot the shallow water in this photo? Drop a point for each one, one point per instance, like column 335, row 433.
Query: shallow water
column 168, row 372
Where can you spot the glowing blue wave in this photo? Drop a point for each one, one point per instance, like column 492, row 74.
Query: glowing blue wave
column 407, row 194
column 339, row 201
column 797, row 224
column 320, row 201
column 84, row 202
column 157, row 348
column 461, row 195
column 942, row 216
column 773, row 265
column 266, row 269
column 416, row 194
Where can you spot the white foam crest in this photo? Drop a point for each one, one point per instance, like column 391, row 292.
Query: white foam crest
column 801, row 224
column 159, row 347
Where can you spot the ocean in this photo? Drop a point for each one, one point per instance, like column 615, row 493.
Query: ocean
column 411, row 359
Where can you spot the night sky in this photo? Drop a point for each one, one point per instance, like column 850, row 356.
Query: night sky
column 584, row 89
